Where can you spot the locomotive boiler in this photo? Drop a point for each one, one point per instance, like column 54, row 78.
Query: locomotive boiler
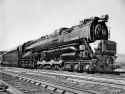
column 70, row 48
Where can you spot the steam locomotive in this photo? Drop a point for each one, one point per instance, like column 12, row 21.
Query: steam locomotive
column 68, row 49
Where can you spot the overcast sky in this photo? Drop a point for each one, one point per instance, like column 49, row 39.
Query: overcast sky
column 23, row 20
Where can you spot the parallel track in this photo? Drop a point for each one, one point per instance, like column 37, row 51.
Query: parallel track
column 79, row 83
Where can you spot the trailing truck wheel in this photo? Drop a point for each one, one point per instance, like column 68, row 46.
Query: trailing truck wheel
column 78, row 68
column 89, row 69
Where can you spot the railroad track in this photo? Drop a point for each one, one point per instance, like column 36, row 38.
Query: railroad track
column 23, row 86
column 55, row 86
column 72, row 83
column 52, row 72
column 83, row 85
column 116, row 79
